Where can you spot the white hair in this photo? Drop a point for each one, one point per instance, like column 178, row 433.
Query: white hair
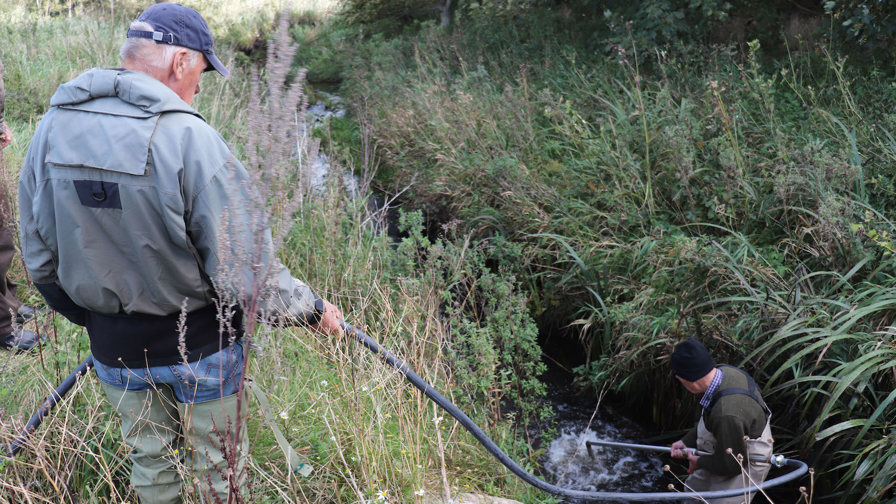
column 146, row 52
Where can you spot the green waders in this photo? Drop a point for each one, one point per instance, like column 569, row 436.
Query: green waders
column 157, row 428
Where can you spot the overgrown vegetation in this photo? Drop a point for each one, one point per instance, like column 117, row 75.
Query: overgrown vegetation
column 656, row 189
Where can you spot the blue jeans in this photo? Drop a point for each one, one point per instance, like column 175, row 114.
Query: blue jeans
column 213, row 377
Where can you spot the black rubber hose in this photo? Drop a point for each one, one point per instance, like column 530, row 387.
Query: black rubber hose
column 48, row 406
column 799, row 468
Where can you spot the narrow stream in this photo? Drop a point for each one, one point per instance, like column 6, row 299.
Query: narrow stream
column 568, row 464
column 317, row 114
column 571, row 465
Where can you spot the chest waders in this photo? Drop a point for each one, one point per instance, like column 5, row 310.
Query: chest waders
column 759, row 449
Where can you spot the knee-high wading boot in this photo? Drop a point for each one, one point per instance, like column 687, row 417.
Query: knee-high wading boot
column 217, row 456
column 150, row 425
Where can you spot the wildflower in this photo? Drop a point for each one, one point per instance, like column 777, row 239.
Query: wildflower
column 284, row 415
column 324, row 382
column 437, row 419
column 364, row 388
column 333, row 438
column 419, row 493
column 382, row 495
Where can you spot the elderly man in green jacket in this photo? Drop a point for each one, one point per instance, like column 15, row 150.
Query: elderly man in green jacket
column 132, row 208
column 734, row 427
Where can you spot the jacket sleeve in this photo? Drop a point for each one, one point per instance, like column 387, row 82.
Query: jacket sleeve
column 229, row 228
column 39, row 257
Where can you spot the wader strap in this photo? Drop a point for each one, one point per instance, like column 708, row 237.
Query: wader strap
column 735, row 390
column 292, row 458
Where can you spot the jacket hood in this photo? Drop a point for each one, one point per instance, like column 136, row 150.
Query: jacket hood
column 133, row 87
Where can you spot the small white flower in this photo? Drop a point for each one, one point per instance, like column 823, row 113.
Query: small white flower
column 364, row 388
column 324, row 382
column 333, row 438
column 284, row 415
column 419, row 492
column 382, row 495
column 438, row 419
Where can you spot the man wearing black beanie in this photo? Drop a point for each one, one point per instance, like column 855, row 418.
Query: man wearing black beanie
column 735, row 421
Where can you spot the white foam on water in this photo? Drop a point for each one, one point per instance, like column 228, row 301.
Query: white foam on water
column 568, row 463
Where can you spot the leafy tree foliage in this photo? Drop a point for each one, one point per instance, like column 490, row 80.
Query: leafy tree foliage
column 385, row 13
column 656, row 23
column 867, row 23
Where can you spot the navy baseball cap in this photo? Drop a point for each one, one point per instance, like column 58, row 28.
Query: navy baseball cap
column 181, row 26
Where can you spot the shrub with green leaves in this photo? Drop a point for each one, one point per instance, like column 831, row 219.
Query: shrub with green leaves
column 492, row 340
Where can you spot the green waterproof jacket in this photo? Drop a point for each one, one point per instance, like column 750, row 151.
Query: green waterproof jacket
column 130, row 203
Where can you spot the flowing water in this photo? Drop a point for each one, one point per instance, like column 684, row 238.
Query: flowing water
column 568, row 464
column 317, row 114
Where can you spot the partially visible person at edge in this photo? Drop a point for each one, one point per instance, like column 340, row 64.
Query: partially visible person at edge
column 735, row 421
column 122, row 202
column 12, row 336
